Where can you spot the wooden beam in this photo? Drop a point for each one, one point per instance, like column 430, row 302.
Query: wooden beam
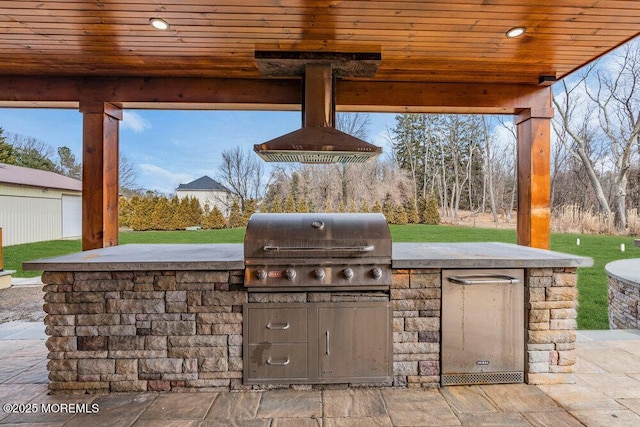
column 100, row 161
column 534, row 177
column 268, row 94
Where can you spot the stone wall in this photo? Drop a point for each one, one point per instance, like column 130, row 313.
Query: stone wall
column 415, row 299
column 551, row 302
column 624, row 302
column 182, row 330
column 138, row 331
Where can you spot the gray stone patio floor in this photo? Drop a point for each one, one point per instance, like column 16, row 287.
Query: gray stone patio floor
column 606, row 393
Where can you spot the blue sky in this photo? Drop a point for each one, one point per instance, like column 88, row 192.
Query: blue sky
column 168, row 148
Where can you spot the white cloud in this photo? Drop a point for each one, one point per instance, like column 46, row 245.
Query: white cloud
column 163, row 180
column 135, row 122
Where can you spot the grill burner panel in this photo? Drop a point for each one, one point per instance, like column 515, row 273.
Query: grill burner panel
column 313, row 276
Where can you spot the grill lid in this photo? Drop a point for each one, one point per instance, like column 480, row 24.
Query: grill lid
column 317, row 235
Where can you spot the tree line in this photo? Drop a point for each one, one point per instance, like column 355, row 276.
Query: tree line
column 452, row 162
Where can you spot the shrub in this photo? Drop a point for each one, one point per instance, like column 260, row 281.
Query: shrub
column 431, row 211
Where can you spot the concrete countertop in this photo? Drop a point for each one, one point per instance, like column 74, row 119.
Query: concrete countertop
column 480, row 255
column 626, row 270
column 230, row 257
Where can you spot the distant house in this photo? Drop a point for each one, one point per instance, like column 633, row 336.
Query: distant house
column 208, row 191
column 37, row 205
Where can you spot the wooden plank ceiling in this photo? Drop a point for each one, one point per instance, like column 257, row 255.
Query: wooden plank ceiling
column 453, row 41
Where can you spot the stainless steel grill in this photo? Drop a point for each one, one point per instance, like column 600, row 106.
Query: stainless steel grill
column 317, row 250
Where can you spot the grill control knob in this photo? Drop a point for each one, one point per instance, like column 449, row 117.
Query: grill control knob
column 289, row 273
column 261, row 274
column 376, row 273
column 318, row 274
column 347, row 273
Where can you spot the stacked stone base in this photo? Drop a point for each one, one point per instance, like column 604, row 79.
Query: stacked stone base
column 624, row 304
column 182, row 330
column 551, row 302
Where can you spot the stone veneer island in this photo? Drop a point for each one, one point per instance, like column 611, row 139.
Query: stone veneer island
column 169, row 317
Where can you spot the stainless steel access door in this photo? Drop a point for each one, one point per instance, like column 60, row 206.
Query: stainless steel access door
column 482, row 326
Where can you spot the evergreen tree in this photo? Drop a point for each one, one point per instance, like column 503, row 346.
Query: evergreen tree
column 431, row 212
column 213, row 218
column 401, row 215
column 341, row 207
column 352, row 206
column 389, row 210
column 124, row 212
column 302, row 205
column 376, row 207
column 162, row 215
column 7, row 152
column 328, row 206
column 68, row 165
column 142, row 209
column 249, row 209
column 235, row 216
column 289, row 204
column 412, row 213
column 276, row 205
column 364, row 207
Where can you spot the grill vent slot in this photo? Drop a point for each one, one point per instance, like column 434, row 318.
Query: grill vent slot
column 315, row 158
column 483, row 378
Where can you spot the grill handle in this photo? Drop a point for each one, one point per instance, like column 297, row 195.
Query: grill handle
column 365, row 248
column 484, row 280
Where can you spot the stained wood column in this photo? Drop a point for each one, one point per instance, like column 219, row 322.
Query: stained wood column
column 100, row 159
column 534, row 177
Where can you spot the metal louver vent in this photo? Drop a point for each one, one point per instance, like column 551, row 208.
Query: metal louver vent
column 483, row 378
column 320, row 157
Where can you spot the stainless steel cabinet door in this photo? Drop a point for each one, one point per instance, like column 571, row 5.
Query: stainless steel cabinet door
column 482, row 324
column 355, row 342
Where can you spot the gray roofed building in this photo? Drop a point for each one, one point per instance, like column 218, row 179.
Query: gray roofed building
column 208, row 191
column 203, row 183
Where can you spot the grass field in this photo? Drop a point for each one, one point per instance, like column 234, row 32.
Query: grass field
column 592, row 282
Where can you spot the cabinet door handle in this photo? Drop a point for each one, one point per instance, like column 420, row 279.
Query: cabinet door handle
column 278, row 326
column 326, row 336
column 479, row 279
column 278, row 362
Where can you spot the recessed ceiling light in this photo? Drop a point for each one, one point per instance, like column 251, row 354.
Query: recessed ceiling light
column 159, row 24
column 515, row 32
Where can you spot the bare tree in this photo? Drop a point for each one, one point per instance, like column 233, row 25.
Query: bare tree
column 241, row 172
column 617, row 97
column 355, row 124
column 127, row 175
column 573, row 126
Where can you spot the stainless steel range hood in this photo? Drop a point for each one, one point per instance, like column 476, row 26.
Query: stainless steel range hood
column 318, row 141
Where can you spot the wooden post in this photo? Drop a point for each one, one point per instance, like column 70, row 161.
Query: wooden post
column 100, row 160
column 534, row 177
column 1, row 249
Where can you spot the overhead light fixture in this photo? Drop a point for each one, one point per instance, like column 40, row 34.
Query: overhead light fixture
column 159, row 24
column 515, row 32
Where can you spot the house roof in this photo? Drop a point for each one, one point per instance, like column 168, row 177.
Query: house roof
column 203, row 183
column 17, row 175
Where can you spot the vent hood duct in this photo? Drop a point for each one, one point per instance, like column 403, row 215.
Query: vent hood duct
column 318, row 141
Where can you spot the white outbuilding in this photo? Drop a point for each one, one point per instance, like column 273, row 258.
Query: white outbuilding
column 37, row 205
column 207, row 191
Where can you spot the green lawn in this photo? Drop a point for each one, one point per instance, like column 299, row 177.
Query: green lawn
column 592, row 282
